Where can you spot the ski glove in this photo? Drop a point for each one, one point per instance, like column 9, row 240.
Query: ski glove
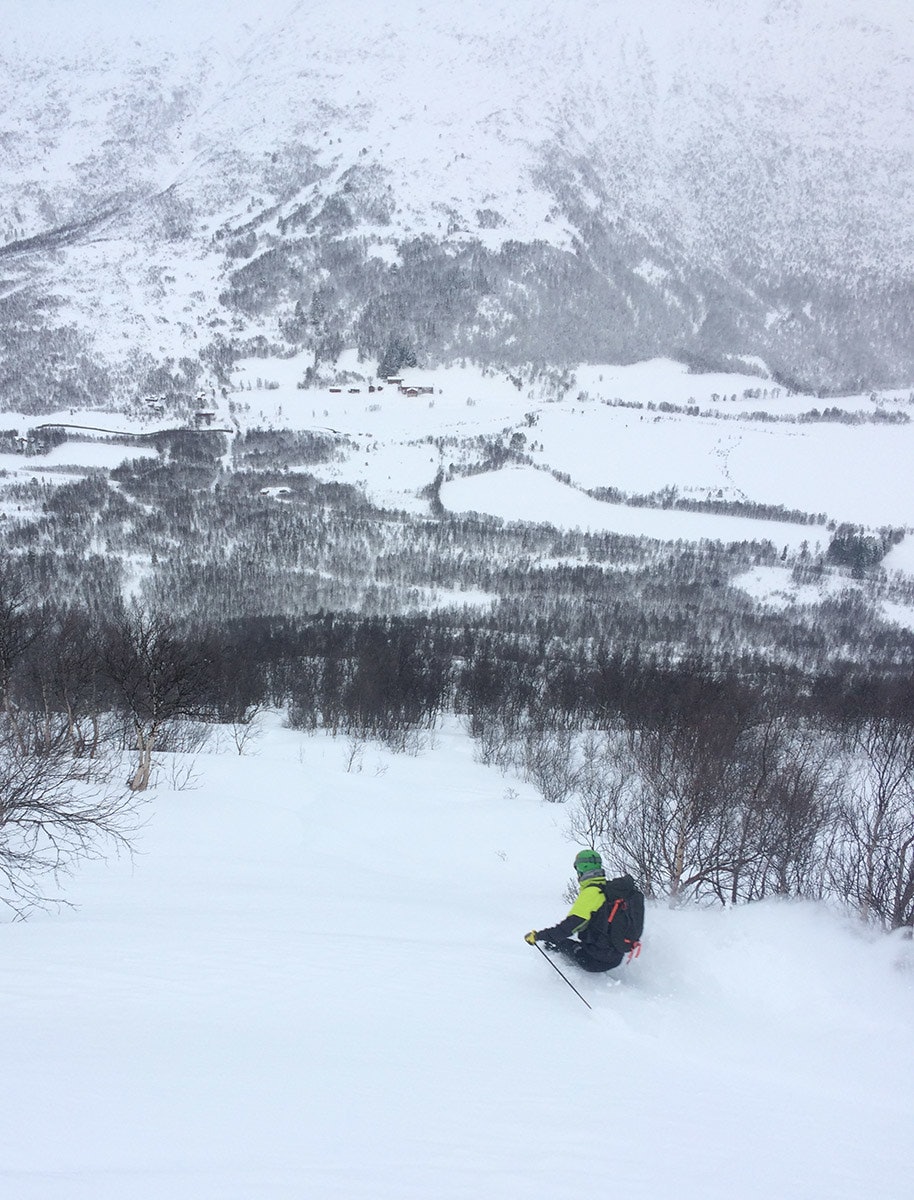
column 530, row 937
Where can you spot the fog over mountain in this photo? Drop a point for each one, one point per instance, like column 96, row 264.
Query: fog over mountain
column 535, row 183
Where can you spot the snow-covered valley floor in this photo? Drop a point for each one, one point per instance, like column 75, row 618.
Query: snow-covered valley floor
column 311, row 981
column 391, row 447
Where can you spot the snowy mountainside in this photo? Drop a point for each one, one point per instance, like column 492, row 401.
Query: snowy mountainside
column 534, row 182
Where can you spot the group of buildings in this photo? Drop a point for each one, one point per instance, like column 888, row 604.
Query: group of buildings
column 394, row 381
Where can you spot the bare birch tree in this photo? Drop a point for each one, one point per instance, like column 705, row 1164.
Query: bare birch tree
column 160, row 679
column 55, row 810
column 875, row 868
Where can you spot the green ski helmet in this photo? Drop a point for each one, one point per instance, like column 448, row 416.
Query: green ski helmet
column 588, row 863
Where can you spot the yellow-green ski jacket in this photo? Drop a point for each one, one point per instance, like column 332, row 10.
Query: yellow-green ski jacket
column 590, row 899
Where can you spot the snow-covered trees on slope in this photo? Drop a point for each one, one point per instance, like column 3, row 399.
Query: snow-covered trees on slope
column 708, row 738
column 708, row 782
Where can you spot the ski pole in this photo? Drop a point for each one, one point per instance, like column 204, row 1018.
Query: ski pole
column 563, row 975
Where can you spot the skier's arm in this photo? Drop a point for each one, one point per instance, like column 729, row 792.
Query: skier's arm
column 579, row 914
column 564, row 929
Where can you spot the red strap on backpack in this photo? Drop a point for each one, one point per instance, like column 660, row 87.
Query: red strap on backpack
column 635, row 946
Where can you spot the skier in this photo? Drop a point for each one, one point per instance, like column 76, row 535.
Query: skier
column 593, row 951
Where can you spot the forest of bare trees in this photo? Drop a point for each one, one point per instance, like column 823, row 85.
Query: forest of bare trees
column 708, row 784
column 720, row 750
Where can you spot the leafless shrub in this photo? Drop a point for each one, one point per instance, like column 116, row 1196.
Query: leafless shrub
column 55, row 810
column 693, row 809
column 496, row 741
column 247, row 732
column 549, row 763
column 873, row 866
column 355, row 752
column 598, row 811
column 177, row 773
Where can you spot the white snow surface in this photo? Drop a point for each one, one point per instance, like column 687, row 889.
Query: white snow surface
column 607, row 431
column 854, row 473
column 311, row 981
column 525, row 494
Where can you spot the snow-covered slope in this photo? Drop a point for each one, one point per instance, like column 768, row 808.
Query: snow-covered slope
column 312, row 982
column 703, row 179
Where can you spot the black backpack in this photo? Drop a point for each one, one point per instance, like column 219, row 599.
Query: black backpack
column 624, row 914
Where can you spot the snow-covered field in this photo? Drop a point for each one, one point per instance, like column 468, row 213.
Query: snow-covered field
column 854, row 473
column 396, row 445
column 311, row 982
column 847, row 473
column 525, row 494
